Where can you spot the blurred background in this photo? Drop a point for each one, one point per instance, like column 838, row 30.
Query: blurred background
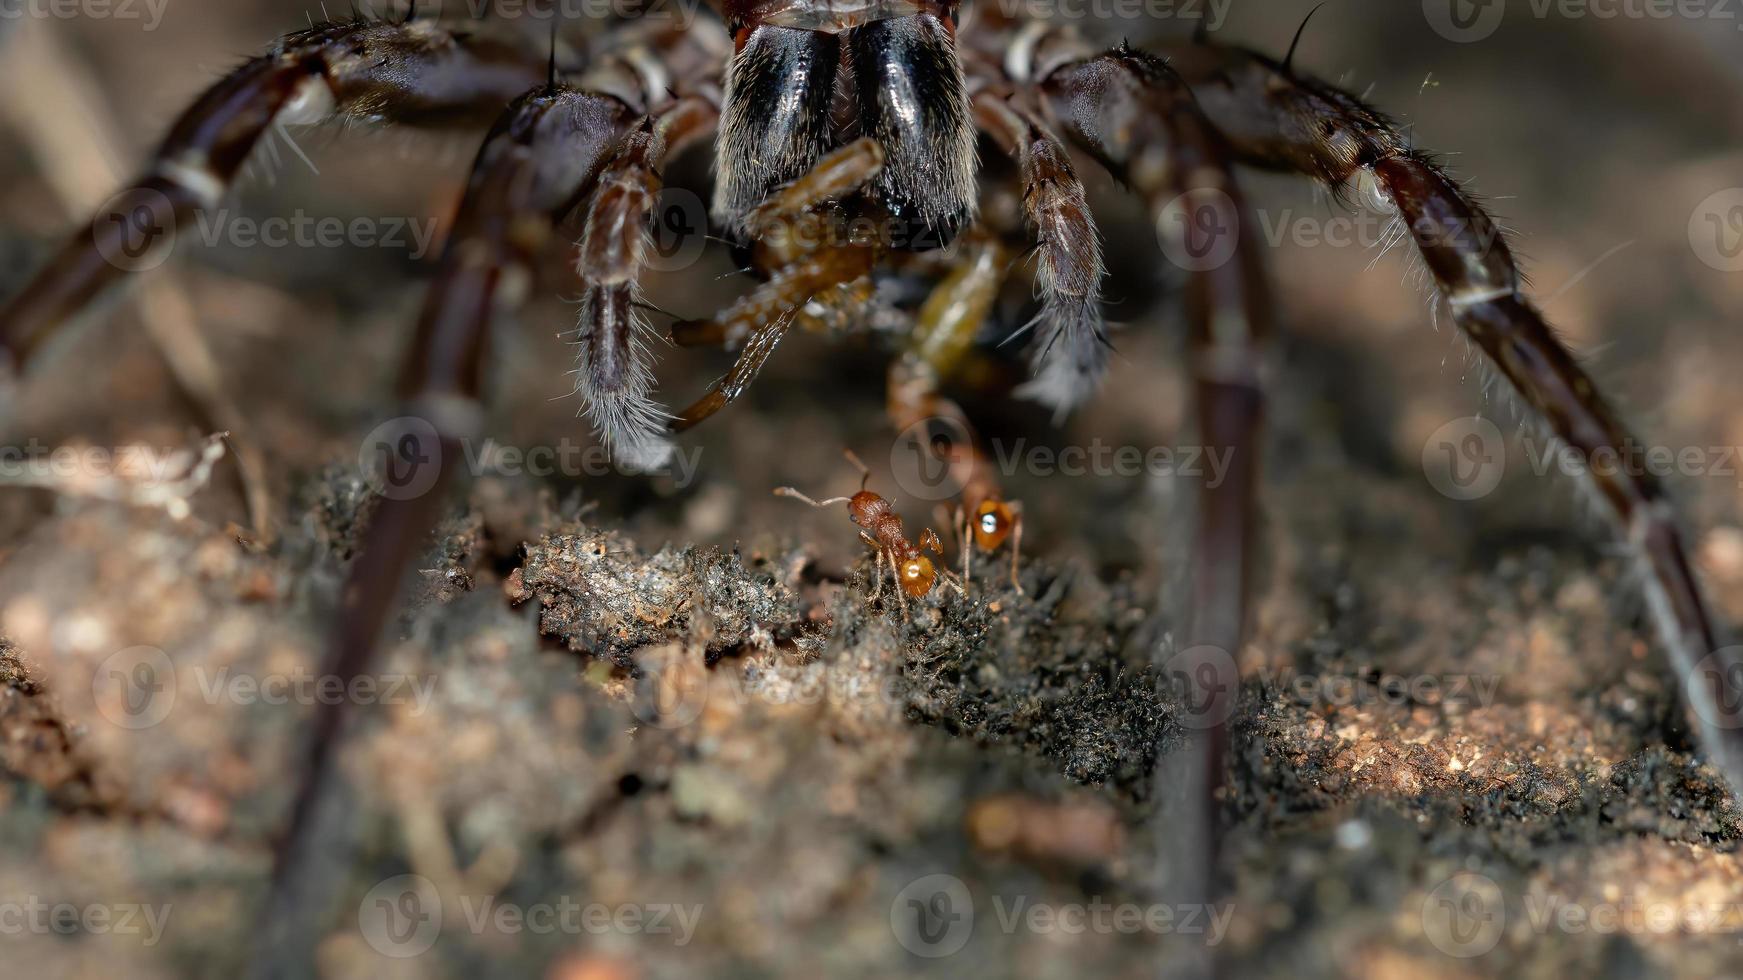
column 1608, row 146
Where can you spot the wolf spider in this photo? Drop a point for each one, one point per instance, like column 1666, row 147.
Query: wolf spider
column 869, row 109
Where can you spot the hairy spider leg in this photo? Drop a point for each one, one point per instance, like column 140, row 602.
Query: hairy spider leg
column 543, row 156
column 1279, row 119
column 416, row 73
column 1139, row 118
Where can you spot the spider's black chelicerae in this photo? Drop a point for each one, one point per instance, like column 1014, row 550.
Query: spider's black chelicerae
column 870, row 112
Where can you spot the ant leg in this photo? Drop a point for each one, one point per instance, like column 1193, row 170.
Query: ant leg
column 1016, row 542
column 929, row 541
column 416, row 73
column 966, row 533
column 507, row 216
column 878, row 576
column 955, row 517
column 896, row 579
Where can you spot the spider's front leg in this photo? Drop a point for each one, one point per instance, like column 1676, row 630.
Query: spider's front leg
column 614, row 376
column 544, row 155
column 1278, row 119
column 1071, row 350
column 416, row 72
column 544, row 151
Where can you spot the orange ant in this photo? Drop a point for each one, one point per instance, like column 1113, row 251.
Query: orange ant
column 881, row 529
column 984, row 519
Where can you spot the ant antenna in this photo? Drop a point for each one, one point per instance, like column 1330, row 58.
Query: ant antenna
column 864, row 472
column 1289, row 59
column 411, row 11
column 796, row 495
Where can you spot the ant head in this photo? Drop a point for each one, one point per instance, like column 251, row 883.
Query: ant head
column 916, row 575
column 866, row 507
column 993, row 521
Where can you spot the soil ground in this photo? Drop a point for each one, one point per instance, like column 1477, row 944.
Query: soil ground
column 1457, row 749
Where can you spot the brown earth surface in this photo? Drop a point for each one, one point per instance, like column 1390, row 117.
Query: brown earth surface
column 610, row 695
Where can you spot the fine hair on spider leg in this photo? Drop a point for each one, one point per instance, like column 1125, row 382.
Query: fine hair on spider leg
column 1071, row 350
column 614, row 374
column 775, row 121
column 614, row 377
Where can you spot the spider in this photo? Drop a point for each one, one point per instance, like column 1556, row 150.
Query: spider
column 868, row 115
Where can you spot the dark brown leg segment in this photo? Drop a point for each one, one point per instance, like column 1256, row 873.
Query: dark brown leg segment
column 1278, row 119
column 1131, row 111
column 614, row 375
column 512, row 200
column 1071, row 349
column 413, row 72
